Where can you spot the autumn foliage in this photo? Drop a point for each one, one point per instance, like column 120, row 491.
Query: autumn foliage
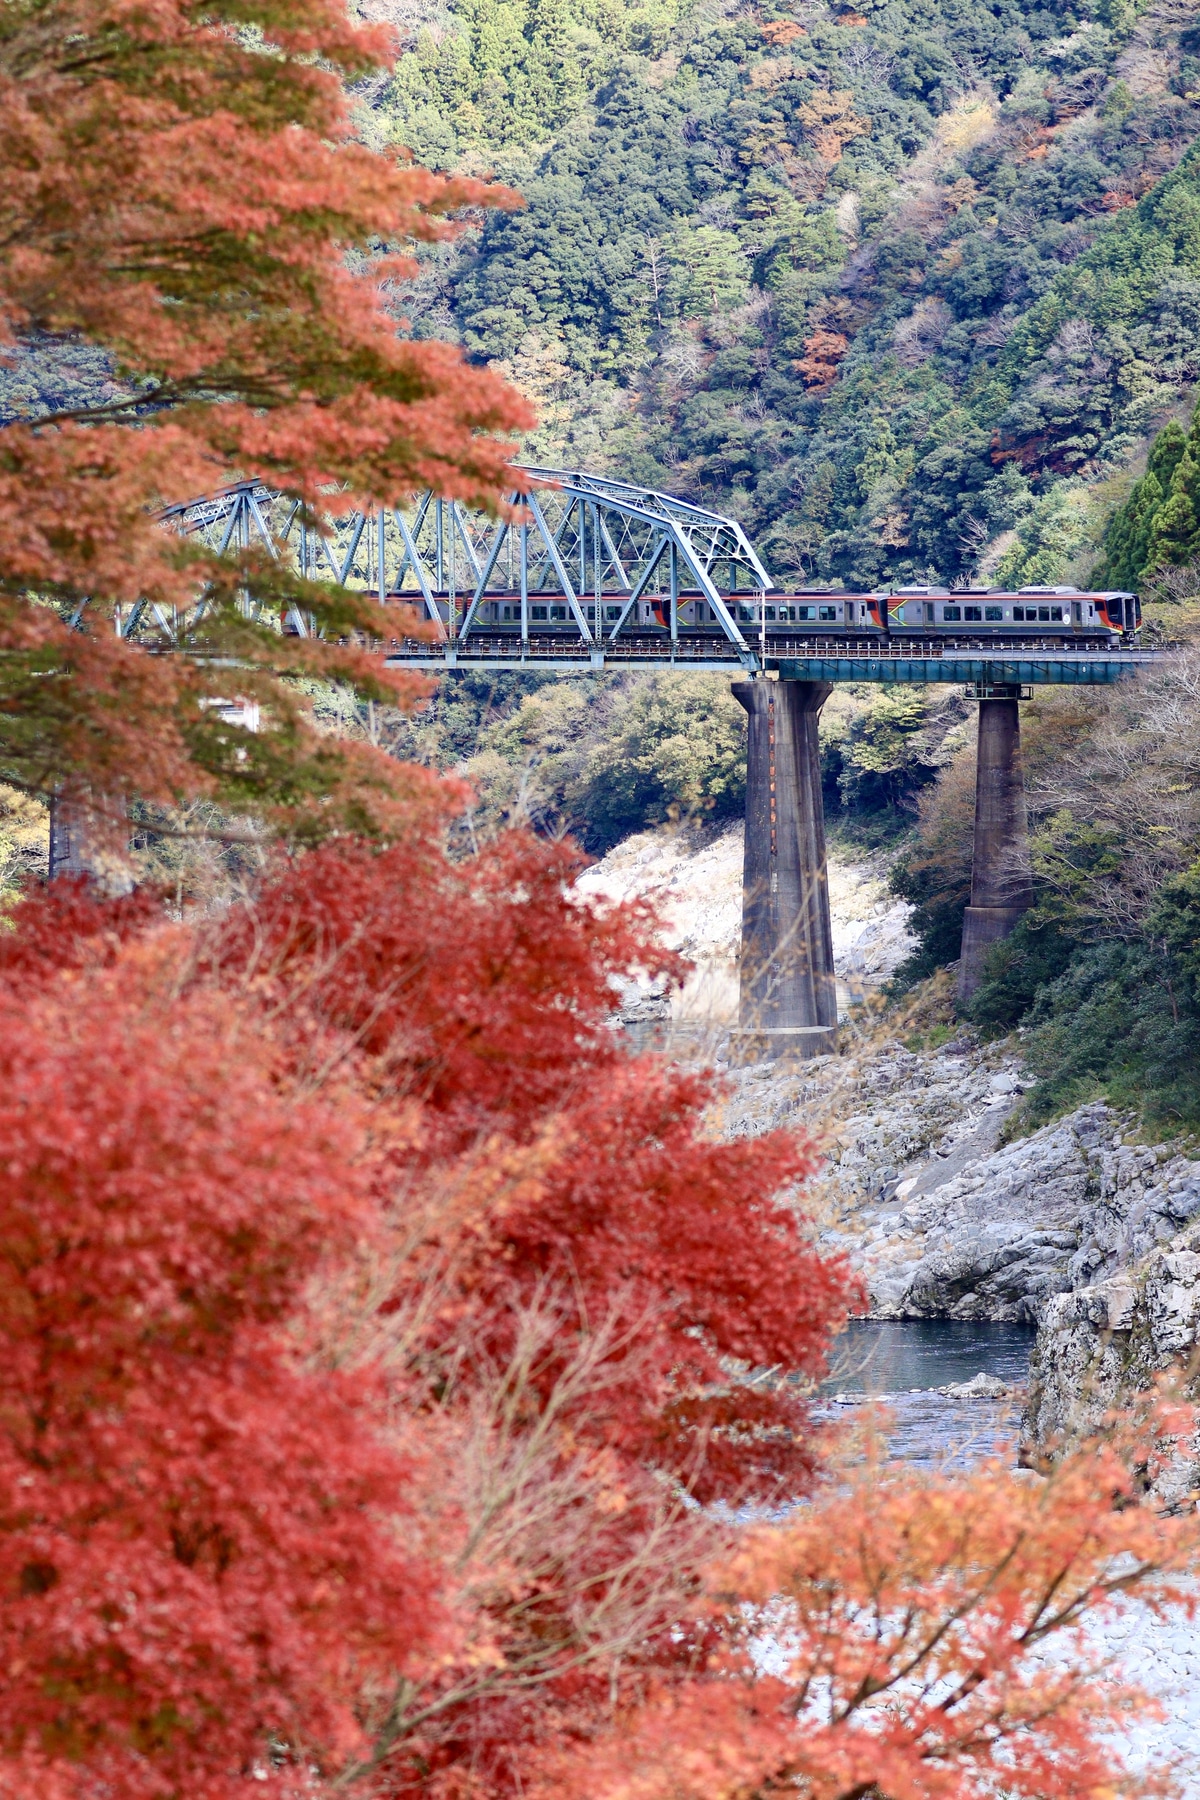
column 382, row 1398
column 823, row 352
column 369, row 1312
column 196, row 1528
column 922, row 1638
column 181, row 186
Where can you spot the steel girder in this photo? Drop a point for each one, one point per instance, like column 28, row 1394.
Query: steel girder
column 597, row 546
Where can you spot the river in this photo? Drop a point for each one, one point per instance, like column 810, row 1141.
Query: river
column 903, row 1362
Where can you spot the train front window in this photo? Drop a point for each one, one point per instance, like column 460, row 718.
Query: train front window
column 993, row 613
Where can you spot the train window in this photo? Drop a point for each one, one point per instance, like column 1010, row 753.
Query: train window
column 827, row 612
column 589, row 612
column 558, row 612
column 612, row 612
column 993, row 612
column 771, row 613
column 537, row 612
column 973, row 612
column 745, row 615
column 1056, row 615
column 952, row 614
column 1044, row 614
column 1019, row 614
column 804, row 612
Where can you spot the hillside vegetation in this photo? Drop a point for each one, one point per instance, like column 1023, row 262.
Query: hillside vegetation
column 904, row 287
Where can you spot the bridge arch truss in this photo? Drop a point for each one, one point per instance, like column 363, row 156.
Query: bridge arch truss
column 592, row 552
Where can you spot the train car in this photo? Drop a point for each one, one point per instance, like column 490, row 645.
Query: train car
column 815, row 611
column 822, row 612
column 1052, row 611
column 1040, row 611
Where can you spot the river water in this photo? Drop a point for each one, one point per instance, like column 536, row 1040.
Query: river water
column 903, row 1362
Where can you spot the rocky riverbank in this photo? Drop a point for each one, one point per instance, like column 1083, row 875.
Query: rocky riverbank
column 1078, row 1229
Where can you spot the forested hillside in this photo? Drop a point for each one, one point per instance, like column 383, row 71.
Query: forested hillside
column 905, row 288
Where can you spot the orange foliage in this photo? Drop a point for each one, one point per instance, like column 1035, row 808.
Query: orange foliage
column 831, row 123
column 181, row 185
column 924, row 1639
column 824, row 350
column 782, row 32
column 378, row 1334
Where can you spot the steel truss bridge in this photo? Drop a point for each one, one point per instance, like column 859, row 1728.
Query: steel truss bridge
column 583, row 572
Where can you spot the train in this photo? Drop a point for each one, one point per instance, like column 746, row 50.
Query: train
column 1059, row 612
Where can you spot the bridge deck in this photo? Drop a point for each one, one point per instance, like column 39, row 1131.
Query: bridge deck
column 913, row 657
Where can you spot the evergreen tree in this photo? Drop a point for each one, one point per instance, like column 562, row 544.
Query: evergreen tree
column 1158, row 522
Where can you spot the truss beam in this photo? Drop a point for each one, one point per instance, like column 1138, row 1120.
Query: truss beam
column 603, row 558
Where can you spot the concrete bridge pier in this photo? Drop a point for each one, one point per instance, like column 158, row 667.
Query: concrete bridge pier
column 1001, row 884
column 788, row 999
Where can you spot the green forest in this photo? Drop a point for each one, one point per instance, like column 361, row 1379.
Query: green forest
column 906, row 289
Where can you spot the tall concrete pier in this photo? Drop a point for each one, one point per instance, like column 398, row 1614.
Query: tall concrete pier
column 68, row 837
column 788, row 999
column 1001, row 886
column 89, row 835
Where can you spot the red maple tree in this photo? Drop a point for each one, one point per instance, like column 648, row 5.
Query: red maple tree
column 199, row 1550
column 181, row 186
column 393, row 1339
column 463, row 1194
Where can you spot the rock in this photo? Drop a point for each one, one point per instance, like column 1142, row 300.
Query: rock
column 980, row 1387
column 1132, row 1304
column 992, row 1240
